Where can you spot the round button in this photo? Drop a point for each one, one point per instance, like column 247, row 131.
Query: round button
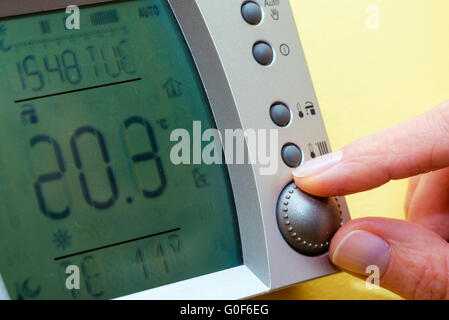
column 306, row 222
column 292, row 155
column 263, row 53
column 280, row 114
column 251, row 12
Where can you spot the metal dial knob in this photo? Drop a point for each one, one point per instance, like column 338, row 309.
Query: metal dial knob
column 306, row 222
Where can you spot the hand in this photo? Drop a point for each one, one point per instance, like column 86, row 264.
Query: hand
column 413, row 255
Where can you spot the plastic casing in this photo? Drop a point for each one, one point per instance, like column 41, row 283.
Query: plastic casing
column 241, row 92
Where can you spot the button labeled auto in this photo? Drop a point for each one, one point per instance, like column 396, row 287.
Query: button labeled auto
column 252, row 12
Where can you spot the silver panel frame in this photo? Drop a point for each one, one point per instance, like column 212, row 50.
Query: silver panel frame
column 254, row 89
column 240, row 92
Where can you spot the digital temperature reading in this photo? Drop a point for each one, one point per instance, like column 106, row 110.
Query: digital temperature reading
column 85, row 173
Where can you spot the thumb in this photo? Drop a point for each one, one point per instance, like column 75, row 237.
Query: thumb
column 413, row 261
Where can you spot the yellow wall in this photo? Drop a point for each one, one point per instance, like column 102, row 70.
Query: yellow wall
column 367, row 80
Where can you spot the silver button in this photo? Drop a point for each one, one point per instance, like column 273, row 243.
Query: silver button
column 280, row 114
column 312, row 221
column 263, row 53
column 252, row 12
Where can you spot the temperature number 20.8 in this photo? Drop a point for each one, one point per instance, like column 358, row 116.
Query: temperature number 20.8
column 88, row 194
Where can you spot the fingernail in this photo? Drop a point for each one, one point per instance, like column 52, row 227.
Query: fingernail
column 318, row 165
column 360, row 249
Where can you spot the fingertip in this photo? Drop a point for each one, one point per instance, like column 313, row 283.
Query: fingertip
column 307, row 185
column 319, row 186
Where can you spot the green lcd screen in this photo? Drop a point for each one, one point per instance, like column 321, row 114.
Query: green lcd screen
column 86, row 178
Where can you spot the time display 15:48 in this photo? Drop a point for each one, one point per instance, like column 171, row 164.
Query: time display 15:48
column 113, row 62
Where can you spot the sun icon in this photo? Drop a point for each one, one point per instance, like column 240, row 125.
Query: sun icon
column 61, row 239
column 2, row 30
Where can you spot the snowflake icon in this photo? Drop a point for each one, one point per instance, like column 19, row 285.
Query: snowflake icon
column 2, row 30
column 61, row 239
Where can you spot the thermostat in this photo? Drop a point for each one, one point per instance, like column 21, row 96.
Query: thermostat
column 87, row 185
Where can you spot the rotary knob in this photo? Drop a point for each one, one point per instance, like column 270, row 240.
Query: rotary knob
column 306, row 222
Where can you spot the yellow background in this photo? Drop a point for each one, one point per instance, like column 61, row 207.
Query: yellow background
column 367, row 80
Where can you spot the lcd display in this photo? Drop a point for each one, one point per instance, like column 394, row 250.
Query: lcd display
column 86, row 179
